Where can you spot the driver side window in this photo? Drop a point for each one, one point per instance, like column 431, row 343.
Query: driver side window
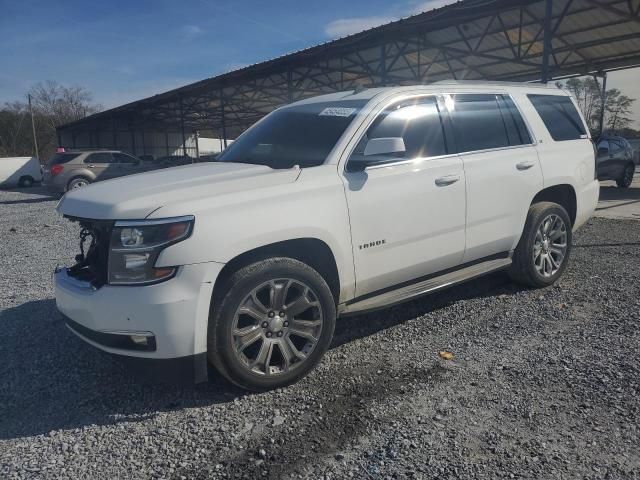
column 416, row 121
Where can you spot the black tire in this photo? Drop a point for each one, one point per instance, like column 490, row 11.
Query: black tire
column 523, row 270
column 627, row 176
column 221, row 351
column 76, row 180
column 26, row 181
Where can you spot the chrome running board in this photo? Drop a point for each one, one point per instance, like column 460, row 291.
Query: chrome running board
column 415, row 290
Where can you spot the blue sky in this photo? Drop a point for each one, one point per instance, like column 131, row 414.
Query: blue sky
column 125, row 50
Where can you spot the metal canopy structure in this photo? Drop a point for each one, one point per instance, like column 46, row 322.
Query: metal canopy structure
column 521, row 40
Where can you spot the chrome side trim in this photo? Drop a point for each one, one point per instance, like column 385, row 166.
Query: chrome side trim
column 403, row 294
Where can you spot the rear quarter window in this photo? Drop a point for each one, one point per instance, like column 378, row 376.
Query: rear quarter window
column 560, row 116
column 60, row 158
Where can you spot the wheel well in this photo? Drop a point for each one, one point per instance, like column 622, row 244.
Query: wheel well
column 311, row 251
column 563, row 195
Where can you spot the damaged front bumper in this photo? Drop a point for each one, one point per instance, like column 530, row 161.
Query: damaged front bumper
column 163, row 327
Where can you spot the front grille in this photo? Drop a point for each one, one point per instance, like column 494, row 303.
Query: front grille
column 92, row 263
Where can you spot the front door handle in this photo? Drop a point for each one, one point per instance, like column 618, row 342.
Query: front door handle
column 447, row 180
column 91, row 166
column 525, row 165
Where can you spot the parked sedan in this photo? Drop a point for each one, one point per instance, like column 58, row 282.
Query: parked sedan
column 75, row 169
column 615, row 161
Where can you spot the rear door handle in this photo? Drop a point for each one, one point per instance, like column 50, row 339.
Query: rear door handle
column 91, row 166
column 525, row 165
column 447, row 180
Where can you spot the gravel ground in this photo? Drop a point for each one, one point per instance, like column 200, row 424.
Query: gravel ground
column 544, row 383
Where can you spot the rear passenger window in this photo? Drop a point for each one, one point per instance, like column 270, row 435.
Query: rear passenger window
column 417, row 122
column 478, row 123
column 560, row 116
column 99, row 158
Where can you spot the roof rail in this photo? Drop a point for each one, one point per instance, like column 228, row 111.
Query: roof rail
column 494, row 82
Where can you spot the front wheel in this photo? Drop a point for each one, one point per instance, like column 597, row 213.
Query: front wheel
column 627, row 176
column 542, row 254
column 273, row 324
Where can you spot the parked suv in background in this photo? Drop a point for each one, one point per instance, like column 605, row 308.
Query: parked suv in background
column 74, row 169
column 615, row 160
column 329, row 206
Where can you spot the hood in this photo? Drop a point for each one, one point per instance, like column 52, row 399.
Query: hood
column 137, row 196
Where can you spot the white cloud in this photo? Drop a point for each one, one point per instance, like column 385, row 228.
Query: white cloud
column 189, row 32
column 348, row 26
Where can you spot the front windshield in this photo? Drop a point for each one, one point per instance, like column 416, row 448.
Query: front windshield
column 298, row 135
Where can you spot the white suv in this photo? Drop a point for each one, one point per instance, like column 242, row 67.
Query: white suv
column 329, row 206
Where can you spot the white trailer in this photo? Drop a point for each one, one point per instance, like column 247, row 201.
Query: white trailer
column 19, row 171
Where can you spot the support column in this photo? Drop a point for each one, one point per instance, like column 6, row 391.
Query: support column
column 603, row 102
column 224, row 127
column 133, row 141
column 197, row 134
column 547, row 45
column 184, row 139
column 114, row 133
column 383, row 65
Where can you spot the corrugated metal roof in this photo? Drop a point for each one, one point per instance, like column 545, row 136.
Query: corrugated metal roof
column 471, row 39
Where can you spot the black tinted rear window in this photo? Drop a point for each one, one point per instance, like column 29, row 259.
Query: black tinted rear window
column 60, row 158
column 560, row 116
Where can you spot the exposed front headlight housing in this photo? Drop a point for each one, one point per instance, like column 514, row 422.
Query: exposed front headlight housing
column 135, row 246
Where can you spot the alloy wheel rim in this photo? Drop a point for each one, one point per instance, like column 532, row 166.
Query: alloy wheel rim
column 79, row 184
column 550, row 245
column 277, row 326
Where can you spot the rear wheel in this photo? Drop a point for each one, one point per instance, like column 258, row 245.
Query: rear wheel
column 273, row 324
column 26, row 182
column 542, row 254
column 627, row 176
column 77, row 182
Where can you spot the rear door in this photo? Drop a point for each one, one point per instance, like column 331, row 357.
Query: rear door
column 501, row 169
column 102, row 165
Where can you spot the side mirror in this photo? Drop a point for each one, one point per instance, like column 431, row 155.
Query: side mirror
column 385, row 146
column 378, row 151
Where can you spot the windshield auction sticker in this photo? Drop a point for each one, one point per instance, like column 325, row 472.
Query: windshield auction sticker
column 337, row 112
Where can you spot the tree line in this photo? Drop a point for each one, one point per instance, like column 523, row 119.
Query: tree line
column 618, row 118
column 53, row 105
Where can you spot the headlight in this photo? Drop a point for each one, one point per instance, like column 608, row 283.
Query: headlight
column 135, row 246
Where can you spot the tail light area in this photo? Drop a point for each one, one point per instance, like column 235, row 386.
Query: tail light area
column 56, row 169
